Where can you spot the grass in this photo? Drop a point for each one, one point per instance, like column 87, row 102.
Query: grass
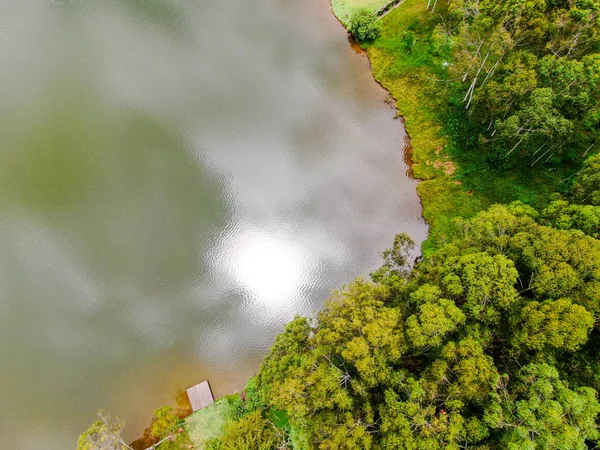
column 209, row 423
column 411, row 76
column 458, row 177
column 343, row 9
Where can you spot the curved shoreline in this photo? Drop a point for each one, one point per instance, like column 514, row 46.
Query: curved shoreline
column 407, row 150
column 418, row 102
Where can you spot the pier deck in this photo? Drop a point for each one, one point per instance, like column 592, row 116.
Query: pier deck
column 200, row 396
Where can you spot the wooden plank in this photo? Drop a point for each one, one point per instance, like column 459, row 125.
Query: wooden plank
column 200, row 396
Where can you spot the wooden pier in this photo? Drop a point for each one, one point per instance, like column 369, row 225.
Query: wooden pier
column 200, row 396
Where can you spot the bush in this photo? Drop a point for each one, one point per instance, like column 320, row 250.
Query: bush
column 253, row 432
column 408, row 40
column 364, row 25
column 166, row 423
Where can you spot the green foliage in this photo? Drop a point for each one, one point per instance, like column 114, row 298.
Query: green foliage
column 541, row 412
column 587, row 187
column 166, row 424
column 485, row 282
column 396, row 267
column 529, row 69
column 441, row 40
column 358, row 327
column 253, row 432
column 408, row 40
column 364, row 25
column 432, row 322
column 249, row 401
column 565, row 216
column 103, row 434
column 554, row 323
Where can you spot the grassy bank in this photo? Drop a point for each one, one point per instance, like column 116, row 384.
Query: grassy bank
column 210, row 422
column 344, row 9
column 458, row 178
column 411, row 73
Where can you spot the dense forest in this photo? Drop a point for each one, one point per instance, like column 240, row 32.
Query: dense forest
column 532, row 72
column 492, row 339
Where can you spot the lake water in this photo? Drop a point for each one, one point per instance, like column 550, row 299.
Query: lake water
column 178, row 179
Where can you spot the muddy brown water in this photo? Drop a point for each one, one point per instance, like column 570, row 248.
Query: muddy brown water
column 178, row 179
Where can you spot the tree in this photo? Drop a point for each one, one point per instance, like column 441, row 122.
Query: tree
column 471, row 374
column 168, row 429
column 575, row 82
column 396, row 267
column 586, row 189
column 559, row 263
column 410, row 421
column 539, row 411
column 529, row 71
column 103, row 434
column 364, row 25
column 433, row 321
column 565, row 216
column 485, row 282
column 358, row 327
column 321, row 375
column 537, row 118
column 448, row 356
column 557, row 324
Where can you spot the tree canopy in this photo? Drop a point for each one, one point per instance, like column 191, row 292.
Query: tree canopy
column 530, row 71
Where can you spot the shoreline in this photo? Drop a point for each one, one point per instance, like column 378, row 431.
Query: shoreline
column 408, row 149
column 417, row 105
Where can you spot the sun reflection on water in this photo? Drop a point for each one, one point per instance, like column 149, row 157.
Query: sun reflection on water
column 269, row 267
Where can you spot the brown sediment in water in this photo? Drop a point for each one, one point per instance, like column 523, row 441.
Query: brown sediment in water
column 184, row 409
column 407, row 149
column 355, row 46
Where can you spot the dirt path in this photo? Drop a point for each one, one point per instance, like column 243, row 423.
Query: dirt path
column 389, row 7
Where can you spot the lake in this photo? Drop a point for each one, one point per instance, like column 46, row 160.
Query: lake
column 178, row 179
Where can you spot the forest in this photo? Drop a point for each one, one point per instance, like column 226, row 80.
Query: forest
column 532, row 72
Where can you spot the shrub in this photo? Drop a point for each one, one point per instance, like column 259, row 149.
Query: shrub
column 253, row 432
column 408, row 40
column 364, row 25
